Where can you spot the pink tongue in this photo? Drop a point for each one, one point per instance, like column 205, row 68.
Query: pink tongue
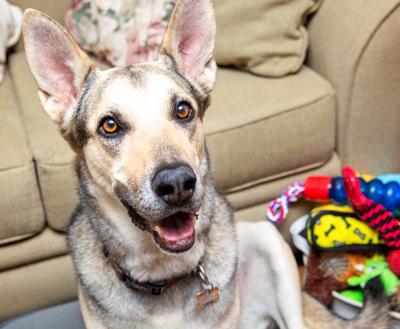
column 178, row 234
column 177, row 229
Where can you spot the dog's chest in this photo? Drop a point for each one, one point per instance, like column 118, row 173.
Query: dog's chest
column 170, row 319
column 191, row 318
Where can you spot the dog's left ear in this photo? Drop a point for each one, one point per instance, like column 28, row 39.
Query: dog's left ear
column 189, row 41
column 58, row 65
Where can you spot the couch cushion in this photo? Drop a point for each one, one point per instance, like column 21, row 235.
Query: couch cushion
column 47, row 244
column 37, row 285
column 266, row 37
column 54, row 158
column 259, row 129
column 21, row 209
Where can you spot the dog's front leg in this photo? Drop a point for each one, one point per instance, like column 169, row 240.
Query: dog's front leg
column 268, row 278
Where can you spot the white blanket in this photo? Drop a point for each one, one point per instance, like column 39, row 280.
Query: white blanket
column 10, row 30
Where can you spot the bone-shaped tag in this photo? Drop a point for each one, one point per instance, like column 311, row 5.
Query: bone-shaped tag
column 206, row 297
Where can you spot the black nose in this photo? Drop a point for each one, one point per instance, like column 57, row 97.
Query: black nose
column 175, row 185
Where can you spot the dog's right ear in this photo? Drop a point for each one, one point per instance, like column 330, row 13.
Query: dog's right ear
column 189, row 41
column 58, row 65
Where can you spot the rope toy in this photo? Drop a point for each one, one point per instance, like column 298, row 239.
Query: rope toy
column 278, row 209
column 375, row 215
column 368, row 211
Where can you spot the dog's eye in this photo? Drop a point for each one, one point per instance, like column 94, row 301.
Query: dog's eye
column 183, row 111
column 109, row 126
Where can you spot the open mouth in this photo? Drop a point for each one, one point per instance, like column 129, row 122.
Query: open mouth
column 175, row 233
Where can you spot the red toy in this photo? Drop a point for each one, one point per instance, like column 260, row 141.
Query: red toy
column 367, row 210
column 375, row 215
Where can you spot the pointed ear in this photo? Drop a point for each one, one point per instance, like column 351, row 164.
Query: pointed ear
column 58, row 65
column 189, row 41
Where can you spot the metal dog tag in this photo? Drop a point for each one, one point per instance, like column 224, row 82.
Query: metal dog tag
column 209, row 294
column 206, row 297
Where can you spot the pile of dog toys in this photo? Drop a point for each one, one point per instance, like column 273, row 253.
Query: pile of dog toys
column 350, row 239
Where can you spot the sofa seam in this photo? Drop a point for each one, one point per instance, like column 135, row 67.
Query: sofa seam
column 38, row 261
column 26, row 165
column 272, row 178
column 21, row 237
column 61, row 164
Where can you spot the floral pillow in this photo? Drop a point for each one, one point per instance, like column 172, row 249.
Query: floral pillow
column 119, row 32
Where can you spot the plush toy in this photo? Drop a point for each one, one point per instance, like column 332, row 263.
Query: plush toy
column 373, row 268
column 319, row 282
column 337, row 228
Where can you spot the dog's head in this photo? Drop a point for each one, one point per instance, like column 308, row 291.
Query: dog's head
column 138, row 129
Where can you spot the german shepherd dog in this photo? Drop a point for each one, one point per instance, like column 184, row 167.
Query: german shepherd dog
column 154, row 244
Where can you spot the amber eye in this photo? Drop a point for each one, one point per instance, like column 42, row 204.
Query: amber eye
column 183, row 111
column 109, row 126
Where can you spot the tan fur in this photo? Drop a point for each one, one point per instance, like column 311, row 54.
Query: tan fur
column 88, row 319
column 142, row 110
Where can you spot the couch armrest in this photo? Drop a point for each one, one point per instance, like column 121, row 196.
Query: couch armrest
column 355, row 45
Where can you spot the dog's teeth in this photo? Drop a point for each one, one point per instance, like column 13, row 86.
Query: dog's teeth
column 159, row 231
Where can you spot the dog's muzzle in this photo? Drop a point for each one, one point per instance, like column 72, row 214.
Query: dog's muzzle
column 175, row 233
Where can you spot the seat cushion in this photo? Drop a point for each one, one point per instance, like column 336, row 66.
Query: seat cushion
column 47, row 244
column 259, row 129
column 64, row 316
column 36, row 285
column 21, row 209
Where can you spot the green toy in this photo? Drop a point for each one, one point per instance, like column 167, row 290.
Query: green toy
column 355, row 295
column 373, row 268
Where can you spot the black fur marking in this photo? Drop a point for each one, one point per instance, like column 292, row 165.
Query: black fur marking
column 81, row 134
column 136, row 76
column 202, row 102
column 136, row 219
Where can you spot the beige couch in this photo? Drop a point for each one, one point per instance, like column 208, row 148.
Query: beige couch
column 342, row 107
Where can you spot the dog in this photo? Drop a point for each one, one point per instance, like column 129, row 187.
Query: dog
column 153, row 242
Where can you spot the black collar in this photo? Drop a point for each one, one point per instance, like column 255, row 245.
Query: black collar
column 208, row 294
column 151, row 288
